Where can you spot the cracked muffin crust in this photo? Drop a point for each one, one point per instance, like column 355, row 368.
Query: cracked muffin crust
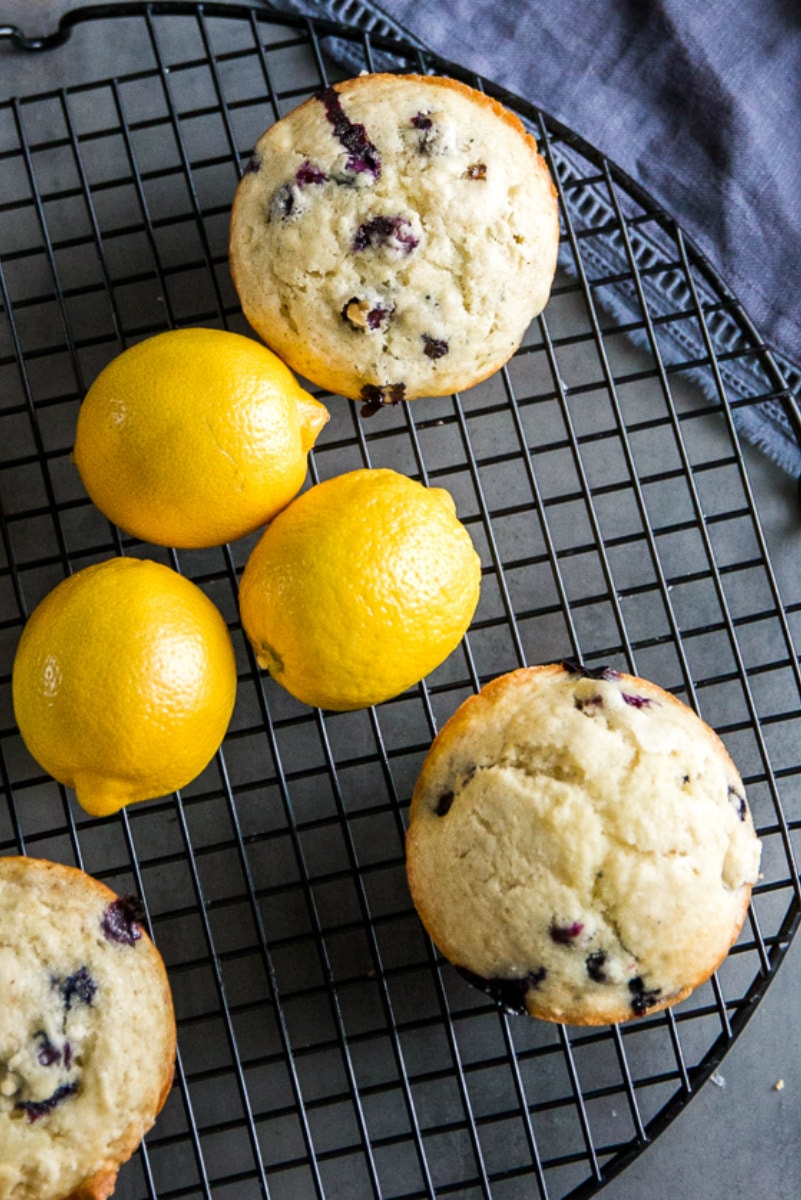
column 394, row 236
column 580, row 846
column 87, row 1032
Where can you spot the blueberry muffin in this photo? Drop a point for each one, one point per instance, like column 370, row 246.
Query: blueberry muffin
column 580, row 845
column 87, row 1032
column 394, row 236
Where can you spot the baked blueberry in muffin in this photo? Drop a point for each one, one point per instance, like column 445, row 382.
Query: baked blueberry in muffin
column 580, row 845
column 394, row 236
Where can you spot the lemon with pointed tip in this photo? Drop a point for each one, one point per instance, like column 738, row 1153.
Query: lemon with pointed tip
column 362, row 586
column 124, row 682
column 195, row 437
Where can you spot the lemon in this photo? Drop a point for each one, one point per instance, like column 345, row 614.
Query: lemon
column 195, row 437
column 124, row 682
column 359, row 588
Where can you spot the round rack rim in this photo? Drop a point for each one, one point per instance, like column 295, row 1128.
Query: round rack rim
column 780, row 939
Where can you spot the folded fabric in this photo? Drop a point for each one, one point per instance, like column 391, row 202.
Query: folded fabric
column 699, row 103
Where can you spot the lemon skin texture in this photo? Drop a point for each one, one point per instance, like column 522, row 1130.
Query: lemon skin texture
column 362, row 586
column 195, row 437
column 124, row 682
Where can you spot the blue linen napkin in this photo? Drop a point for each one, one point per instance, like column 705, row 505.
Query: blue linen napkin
column 700, row 103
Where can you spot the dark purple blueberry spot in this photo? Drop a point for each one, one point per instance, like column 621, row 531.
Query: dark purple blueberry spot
column 394, row 232
column 363, row 157
column 378, row 316
column 67, row 1056
column 362, row 316
column 637, row 701
column 429, row 137
column 591, row 702
column 253, row 165
column 685, row 779
column 40, row 1108
column 434, row 347
column 565, row 935
column 79, row 987
column 364, row 165
column 307, row 174
column 642, row 998
column 376, row 397
column 476, row 171
column 444, row 804
column 595, row 963
column 739, row 802
column 282, row 203
column 578, row 668
column 510, row 994
column 122, row 920
column 47, row 1054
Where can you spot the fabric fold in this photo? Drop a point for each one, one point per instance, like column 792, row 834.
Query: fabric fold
column 698, row 105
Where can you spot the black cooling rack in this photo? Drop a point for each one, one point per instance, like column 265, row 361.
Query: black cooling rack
column 324, row 1048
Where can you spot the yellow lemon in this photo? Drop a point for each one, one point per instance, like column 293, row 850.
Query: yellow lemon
column 124, row 682
column 358, row 589
column 195, row 437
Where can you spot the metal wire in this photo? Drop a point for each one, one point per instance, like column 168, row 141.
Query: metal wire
column 325, row 1049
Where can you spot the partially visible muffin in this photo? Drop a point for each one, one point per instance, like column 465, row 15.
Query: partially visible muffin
column 580, row 845
column 87, row 1032
column 394, row 236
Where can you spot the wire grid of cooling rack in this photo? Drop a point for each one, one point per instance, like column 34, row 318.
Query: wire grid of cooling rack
column 324, row 1048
